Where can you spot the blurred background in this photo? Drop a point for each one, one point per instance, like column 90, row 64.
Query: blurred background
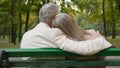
column 19, row 16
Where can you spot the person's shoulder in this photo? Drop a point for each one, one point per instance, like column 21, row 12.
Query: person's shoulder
column 27, row 33
column 57, row 31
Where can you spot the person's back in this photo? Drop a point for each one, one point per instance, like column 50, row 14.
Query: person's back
column 42, row 35
column 39, row 37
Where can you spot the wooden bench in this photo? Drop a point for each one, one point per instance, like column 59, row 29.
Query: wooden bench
column 54, row 52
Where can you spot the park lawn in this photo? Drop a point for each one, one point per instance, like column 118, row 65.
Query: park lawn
column 4, row 43
column 115, row 42
column 9, row 46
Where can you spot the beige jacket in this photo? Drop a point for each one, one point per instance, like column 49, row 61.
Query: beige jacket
column 42, row 36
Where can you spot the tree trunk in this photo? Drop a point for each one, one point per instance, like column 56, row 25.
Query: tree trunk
column 27, row 16
column 4, row 32
column 14, row 34
column 20, row 22
column 113, row 20
column 104, row 20
column 9, row 35
column 20, row 27
column 13, row 26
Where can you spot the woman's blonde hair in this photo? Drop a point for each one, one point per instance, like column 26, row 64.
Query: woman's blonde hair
column 67, row 24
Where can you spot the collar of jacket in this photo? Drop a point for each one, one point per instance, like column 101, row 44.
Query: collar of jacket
column 44, row 24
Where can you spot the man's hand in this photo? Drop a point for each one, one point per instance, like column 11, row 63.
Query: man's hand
column 92, row 34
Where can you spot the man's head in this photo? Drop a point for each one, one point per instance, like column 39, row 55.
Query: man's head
column 48, row 12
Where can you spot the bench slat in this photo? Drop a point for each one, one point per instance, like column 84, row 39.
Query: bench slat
column 55, row 52
column 65, row 63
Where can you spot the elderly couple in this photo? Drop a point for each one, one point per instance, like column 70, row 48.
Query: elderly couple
column 59, row 30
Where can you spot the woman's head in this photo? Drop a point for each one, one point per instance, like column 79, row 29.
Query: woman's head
column 67, row 24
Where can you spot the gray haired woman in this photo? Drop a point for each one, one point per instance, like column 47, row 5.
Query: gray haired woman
column 70, row 28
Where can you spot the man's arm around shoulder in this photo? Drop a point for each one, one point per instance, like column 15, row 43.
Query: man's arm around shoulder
column 88, row 47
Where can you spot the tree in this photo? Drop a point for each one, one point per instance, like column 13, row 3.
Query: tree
column 20, row 21
column 113, row 19
column 14, row 25
column 104, row 19
column 27, row 15
column 88, row 11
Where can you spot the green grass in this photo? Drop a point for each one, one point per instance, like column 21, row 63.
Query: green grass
column 9, row 46
column 4, row 43
column 115, row 42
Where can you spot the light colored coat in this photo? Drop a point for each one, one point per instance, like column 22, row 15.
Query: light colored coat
column 42, row 36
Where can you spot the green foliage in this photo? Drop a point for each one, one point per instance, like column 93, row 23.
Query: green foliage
column 90, row 13
column 87, row 13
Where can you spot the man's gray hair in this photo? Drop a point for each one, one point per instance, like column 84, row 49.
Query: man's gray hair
column 48, row 10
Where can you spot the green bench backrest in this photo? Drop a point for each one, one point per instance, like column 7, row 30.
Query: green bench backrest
column 55, row 52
